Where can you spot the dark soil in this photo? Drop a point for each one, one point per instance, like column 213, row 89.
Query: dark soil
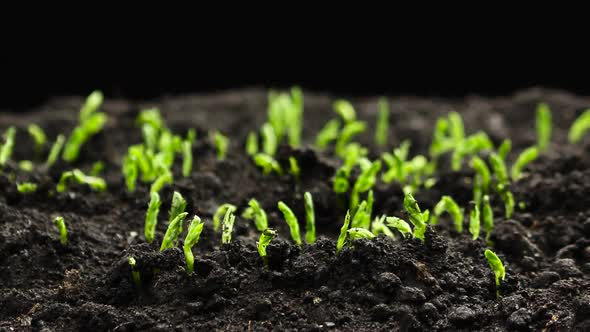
column 383, row 284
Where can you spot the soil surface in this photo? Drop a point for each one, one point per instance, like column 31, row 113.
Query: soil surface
column 380, row 284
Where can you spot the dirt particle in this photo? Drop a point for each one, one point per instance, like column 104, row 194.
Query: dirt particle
column 411, row 294
column 545, row 279
column 519, row 319
column 566, row 267
column 462, row 314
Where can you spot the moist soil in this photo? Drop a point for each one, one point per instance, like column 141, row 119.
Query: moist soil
column 386, row 284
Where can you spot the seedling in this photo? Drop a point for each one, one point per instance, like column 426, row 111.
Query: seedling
column 499, row 168
column 151, row 216
column 91, row 105
column 327, row 134
column 488, row 216
column 227, row 226
column 129, row 168
column 398, row 170
column 448, row 204
column 97, row 168
column 256, row 213
column 341, row 180
column 474, row 222
column 187, row 158
column 252, row 144
column 192, row 237
column 268, row 164
column 269, row 139
column 359, row 215
column 378, row 227
column 26, row 165
column 480, row 167
column 63, row 232
column 278, row 107
column 345, row 110
column 221, row 211
column 456, row 127
column 173, row 231
column 364, row 183
column 55, row 150
column 309, row 219
column 150, row 136
column 135, row 276
column 221, row 144
column 295, row 169
column 291, row 220
column 77, row 176
column 508, row 199
column 440, row 142
column 496, row 266
column 263, row 242
column 505, row 148
column 543, row 126
column 360, row 233
column 26, row 187
column 401, row 225
column 163, row 179
column 470, row 146
column 191, row 135
column 8, row 146
column 416, row 217
column 86, row 129
column 177, row 207
column 348, row 132
column 343, row 233
column 579, row 127
column 151, row 116
column 294, row 117
column 523, row 159
column 382, row 127
column 38, row 136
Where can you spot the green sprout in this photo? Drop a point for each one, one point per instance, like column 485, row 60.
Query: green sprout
column 487, row 215
column 398, row 170
column 26, row 187
column 268, row 164
column 177, row 207
column 163, row 179
column 456, row 127
column 256, row 213
column 97, row 168
column 295, row 169
column 151, row 116
column 77, row 176
column 135, row 276
column 508, row 199
column 360, row 233
column 91, row 105
column 8, row 146
column 151, row 216
column 505, row 148
column 343, row 233
column 579, row 127
column 150, row 136
column 291, row 220
column 309, row 219
column 173, row 232
column 191, row 135
column 187, row 158
column 448, row 204
column 483, row 172
column 26, row 165
column 543, row 126
column 470, row 146
column 129, row 168
column 364, row 183
column 327, row 134
column 378, row 227
column 263, row 242
column 474, row 222
column 341, row 180
column 278, row 107
column 499, row 168
column 55, row 150
column 269, row 139
column 497, row 266
column 294, row 117
column 348, row 132
column 416, row 216
column 382, row 127
column 63, row 232
column 38, row 136
column 227, row 226
column 252, row 144
column 401, row 225
column 221, row 211
column 221, row 144
column 359, row 215
column 88, row 128
column 523, row 159
column 440, row 142
column 192, row 237
column 345, row 110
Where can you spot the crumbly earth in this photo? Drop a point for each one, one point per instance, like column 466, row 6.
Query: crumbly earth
column 381, row 284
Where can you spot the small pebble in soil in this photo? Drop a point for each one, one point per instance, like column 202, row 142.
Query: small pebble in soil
column 411, row 294
column 545, row 279
column 388, row 282
column 462, row 314
column 566, row 267
column 518, row 319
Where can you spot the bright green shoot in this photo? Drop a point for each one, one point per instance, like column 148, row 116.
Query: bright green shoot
column 309, row 218
column 579, row 127
column 150, row 136
column 151, row 217
column 55, row 150
column 97, row 168
column 256, row 213
column 26, row 165
column 63, row 232
column 227, row 226
column 294, row 117
column 401, row 225
column 360, row 233
column 161, row 181
column 348, row 132
column 341, row 183
column 192, row 237
column 327, row 134
column 359, row 215
column 38, row 136
column 89, row 127
column 448, row 204
column 221, row 144
column 416, row 216
column 291, row 220
column 269, row 139
column 456, row 128
column 77, row 176
column 365, row 182
column 497, row 266
column 345, row 110
column 252, row 144
column 543, row 126
column 487, row 215
column 177, row 207
column 295, row 169
column 263, row 242
column 378, row 227
column 505, row 148
column 26, row 187
column 8, row 146
column 268, row 164
column 474, row 222
column 222, row 211
column 440, row 142
column 129, row 168
column 523, row 159
column 134, row 271
column 173, row 232
column 151, row 116
column 499, row 168
column 343, row 233
column 382, row 127
column 91, row 105
column 483, row 172
column 508, row 199
column 187, row 158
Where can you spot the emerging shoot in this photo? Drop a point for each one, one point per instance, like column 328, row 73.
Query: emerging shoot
column 268, row 164
column 543, row 126
column 579, row 127
column 173, row 232
column 360, row 233
column 177, row 207
column 63, row 232
column 524, row 158
column 55, row 150
column 26, row 187
column 256, row 213
column 263, row 242
column 327, row 134
column 77, row 176
column 474, row 222
column 496, row 266
column 135, row 276
column 187, row 158
column 401, row 225
column 38, row 136
column 488, row 216
column 8, row 146
column 269, row 139
column 448, row 204
column 221, row 144
column 291, row 220
column 343, row 233
column 252, row 144
column 192, row 237
column 309, row 219
column 222, row 211
column 345, row 110
column 382, row 127
column 416, row 216
column 227, row 226
column 151, row 217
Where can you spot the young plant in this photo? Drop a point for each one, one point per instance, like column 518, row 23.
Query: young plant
column 221, row 144
column 474, row 222
column 448, row 204
column 163, row 179
column 327, row 134
column 97, row 168
column 508, row 199
column 91, row 105
column 483, row 172
column 348, row 132
column 129, row 168
column 456, row 127
column 151, row 217
column 135, row 276
column 151, row 116
column 221, row 211
column 263, row 242
column 343, row 233
column 579, row 127
column 252, row 144
column 378, row 227
column 26, row 165
column 63, row 232
column 150, row 136
column 382, row 127
column 269, row 139
column 38, row 136
column 523, row 159
column 55, row 150
column 416, row 216
column 309, row 218
column 543, row 126
column 173, row 232
column 487, row 215
column 86, row 129
column 77, row 176
column 345, row 110
column 177, row 207
column 256, row 213
column 499, row 168
column 192, row 237
column 359, row 215
column 360, row 233
column 401, row 225
column 341, row 183
column 8, row 146
column 505, row 148
column 398, row 168
column 227, row 226
column 294, row 117
column 291, row 220
column 268, row 164
column 26, row 187
column 440, row 142
column 364, row 183
column 497, row 266
column 295, row 169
